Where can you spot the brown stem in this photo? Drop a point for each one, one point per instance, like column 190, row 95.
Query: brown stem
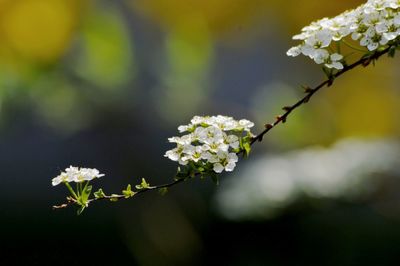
column 364, row 61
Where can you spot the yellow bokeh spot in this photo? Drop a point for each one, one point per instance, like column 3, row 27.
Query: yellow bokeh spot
column 298, row 14
column 225, row 16
column 39, row 30
column 366, row 102
column 219, row 16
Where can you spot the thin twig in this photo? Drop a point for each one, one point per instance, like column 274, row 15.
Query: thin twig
column 364, row 61
column 72, row 201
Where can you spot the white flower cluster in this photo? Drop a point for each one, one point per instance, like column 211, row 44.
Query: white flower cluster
column 76, row 174
column 373, row 24
column 211, row 140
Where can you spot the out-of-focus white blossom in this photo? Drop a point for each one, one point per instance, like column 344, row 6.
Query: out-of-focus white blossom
column 374, row 25
column 263, row 187
column 211, row 140
column 76, row 174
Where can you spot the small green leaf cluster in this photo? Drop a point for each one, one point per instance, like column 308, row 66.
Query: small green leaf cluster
column 143, row 185
column 212, row 146
column 81, row 194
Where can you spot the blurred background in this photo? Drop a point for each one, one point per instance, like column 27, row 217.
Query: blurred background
column 104, row 83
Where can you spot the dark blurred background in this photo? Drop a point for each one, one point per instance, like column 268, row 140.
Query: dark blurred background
column 104, row 83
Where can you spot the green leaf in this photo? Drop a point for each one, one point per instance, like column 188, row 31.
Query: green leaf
column 86, row 193
column 81, row 209
column 249, row 135
column 114, row 197
column 84, row 196
column 236, row 150
column 99, row 194
column 247, row 148
column 143, row 185
column 71, row 190
column 128, row 193
column 163, row 191
column 209, row 166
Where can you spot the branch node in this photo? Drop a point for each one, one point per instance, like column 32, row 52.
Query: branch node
column 268, row 126
column 281, row 118
column 306, row 89
column 71, row 200
column 366, row 62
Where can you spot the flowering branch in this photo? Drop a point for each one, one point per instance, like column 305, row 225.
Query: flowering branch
column 212, row 144
column 99, row 195
column 145, row 187
column 211, row 147
column 364, row 61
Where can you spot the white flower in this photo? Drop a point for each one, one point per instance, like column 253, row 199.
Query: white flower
column 192, row 153
column 63, row 177
column 183, row 128
column 370, row 43
column 225, row 123
column 396, row 20
column 76, row 174
column 333, row 61
column 197, row 120
column 320, row 56
column 87, row 174
column 294, row 51
column 375, row 24
column 320, row 39
column 186, row 139
column 212, row 135
column 227, row 161
column 177, row 154
column 210, row 142
column 233, row 141
column 218, row 168
column 215, row 146
column 245, row 124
